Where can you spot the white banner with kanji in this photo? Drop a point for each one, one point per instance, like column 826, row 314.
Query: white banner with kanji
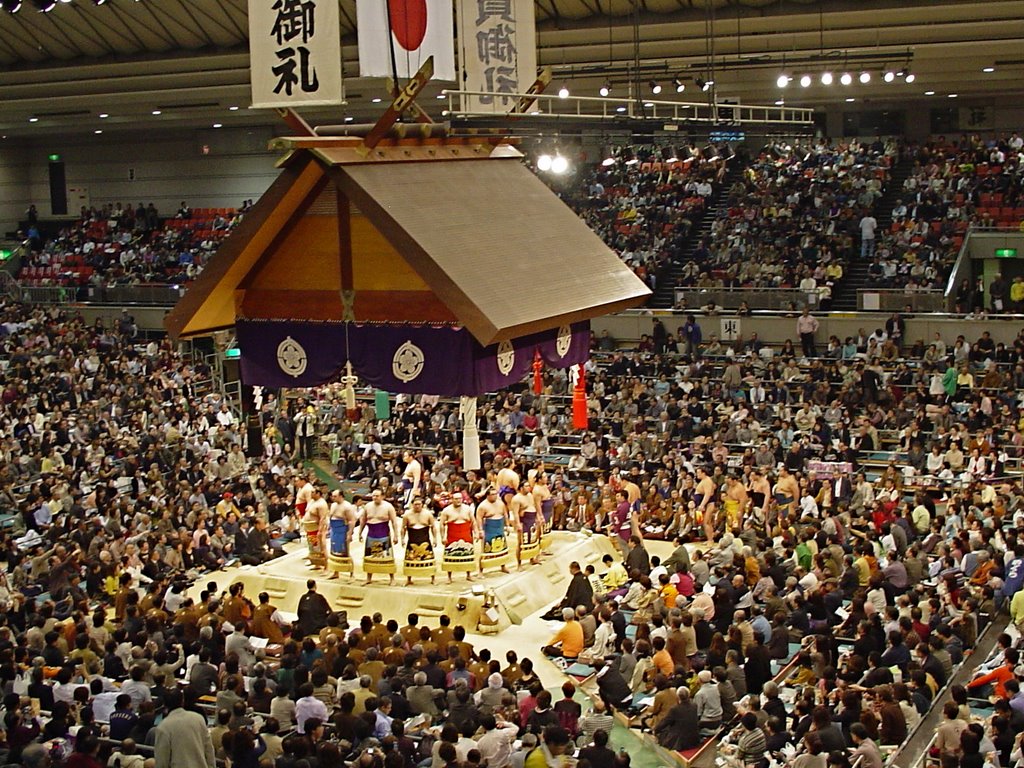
column 400, row 35
column 295, row 53
column 498, row 51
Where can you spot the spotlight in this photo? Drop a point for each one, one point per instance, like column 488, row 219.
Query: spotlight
column 606, row 89
column 929, row 93
column 953, row 95
column 11, row 6
column 988, row 70
column 782, row 81
column 680, row 85
column 707, row 85
column 559, row 164
column 157, row 112
column 889, row 76
column 620, row 109
column 850, row 99
column 544, row 163
column 911, row 78
column 99, row 2
column 563, row 92
column 805, row 81
column 655, row 87
column 44, row 6
column 826, row 78
column 846, row 78
column 33, row 119
column 865, row 77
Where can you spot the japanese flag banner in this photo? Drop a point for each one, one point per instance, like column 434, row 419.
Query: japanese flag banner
column 295, row 53
column 498, row 52
column 414, row 30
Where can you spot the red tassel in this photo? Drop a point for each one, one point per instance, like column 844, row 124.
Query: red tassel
column 579, row 401
column 538, row 380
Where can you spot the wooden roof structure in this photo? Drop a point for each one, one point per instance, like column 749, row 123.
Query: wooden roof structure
column 432, row 229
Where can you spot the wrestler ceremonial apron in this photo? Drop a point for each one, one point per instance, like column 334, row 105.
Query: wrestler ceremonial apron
column 459, row 553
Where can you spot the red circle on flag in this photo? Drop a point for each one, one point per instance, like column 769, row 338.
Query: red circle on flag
column 408, row 22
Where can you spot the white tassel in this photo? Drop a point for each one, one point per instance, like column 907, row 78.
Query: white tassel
column 349, row 380
column 470, row 435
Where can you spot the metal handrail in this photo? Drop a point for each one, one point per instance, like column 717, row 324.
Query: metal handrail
column 607, row 108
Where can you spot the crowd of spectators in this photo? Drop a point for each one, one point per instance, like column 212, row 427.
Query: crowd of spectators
column 644, row 204
column 118, row 245
column 952, row 186
column 793, row 219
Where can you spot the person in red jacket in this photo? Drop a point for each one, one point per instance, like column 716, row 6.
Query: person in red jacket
column 999, row 676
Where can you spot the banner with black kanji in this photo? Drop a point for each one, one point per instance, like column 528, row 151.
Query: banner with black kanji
column 295, row 53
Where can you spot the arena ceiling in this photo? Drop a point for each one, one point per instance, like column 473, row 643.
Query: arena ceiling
column 188, row 59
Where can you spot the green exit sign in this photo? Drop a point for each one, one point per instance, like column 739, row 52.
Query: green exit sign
column 1006, row 253
column 54, row 158
column 233, row 352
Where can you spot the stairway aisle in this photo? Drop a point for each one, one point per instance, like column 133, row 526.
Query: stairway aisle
column 844, row 296
column 664, row 294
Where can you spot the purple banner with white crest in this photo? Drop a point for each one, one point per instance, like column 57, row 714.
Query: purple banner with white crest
column 416, row 359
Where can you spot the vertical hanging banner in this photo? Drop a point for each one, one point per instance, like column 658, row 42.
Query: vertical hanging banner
column 498, row 52
column 414, row 30
column 295, row 53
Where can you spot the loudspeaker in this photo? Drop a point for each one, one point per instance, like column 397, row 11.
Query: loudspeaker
column 58, row 190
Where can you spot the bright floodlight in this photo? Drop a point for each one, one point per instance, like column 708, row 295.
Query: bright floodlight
column 826, row 78
column 783, row 81
column 544, row 163
column 559, row 164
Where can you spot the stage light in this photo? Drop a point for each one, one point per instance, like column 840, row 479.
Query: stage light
column 953, row 95
column 157, row 112
column 655, row 87
column 850, row 99
column 929, row 93
column 563, row 92
column 11, row 6
column 99, row 2
column 846, row 78
column 544, row 163
column 559, row 164
column 865, row 77
column 911, row 78
column 707, row 85
column 782, row 81
column 780, row 103
column 889, row 76
column 805, row 81
column 218, row 125
column 44, row 6
column 620, row 109
column 606, row 89
column 826, row 78
column 988, row 70
column 679, row 84
column 33, row 119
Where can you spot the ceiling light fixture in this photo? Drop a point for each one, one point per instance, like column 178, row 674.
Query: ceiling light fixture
column 826, row 78
column 782, row 81
column 953, row 95
column 805, row 81
column 376, row 100
column 679, row 84
column 846, row 78
column 104, row 115
column 44, row 6
column 605, row 90
column 655, row 87
column 563, row 92
column 989, row 70
column 33, row 119
column 99, row 2
column 911, row 78
column 559, row 164
column 98, row 131
column 929, row 93
column 544, row 163
column 157, row 112
column 232, row 109
column 706, row 85
column 849, row 99
column 11, row 6
column 218, row 125
column 620, row 109
column 889, row 76
column 865, row 77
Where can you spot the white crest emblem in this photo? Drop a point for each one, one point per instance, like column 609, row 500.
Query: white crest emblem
column 506, row 357
column 563, row 341
column 407, row 363
column 291, row 357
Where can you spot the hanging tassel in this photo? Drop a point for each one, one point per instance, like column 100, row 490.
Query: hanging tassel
column 470, row 435
column 349, row 380
column 538, row 379
column 579, row 398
